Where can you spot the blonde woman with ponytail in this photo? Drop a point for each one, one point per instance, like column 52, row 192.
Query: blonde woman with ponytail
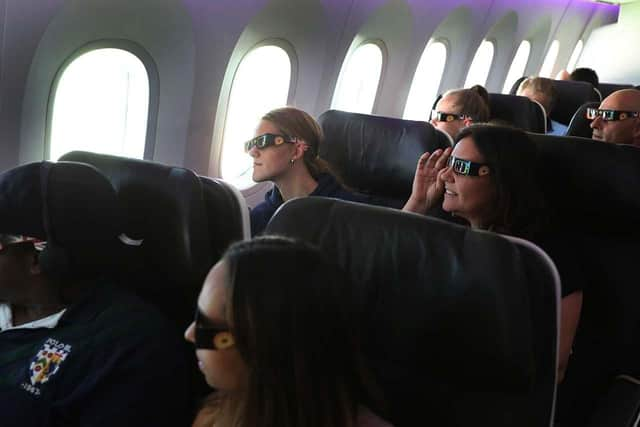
column 285, row 151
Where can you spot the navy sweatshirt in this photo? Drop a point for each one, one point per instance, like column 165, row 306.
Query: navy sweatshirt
column 112, row 360
column 327, row 187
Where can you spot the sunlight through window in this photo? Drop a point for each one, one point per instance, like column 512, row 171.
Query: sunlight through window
column 101, row 104
column 426, row 81
column 261, row 83
column 575, row 56
column 481, row 65
column 359, row 79
column 550, row 59
column 517, row 66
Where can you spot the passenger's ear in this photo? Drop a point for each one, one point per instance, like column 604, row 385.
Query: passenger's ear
column 300, row 147
column 468, row 121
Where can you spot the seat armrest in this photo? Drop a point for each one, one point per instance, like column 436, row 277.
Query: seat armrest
column 620, row 407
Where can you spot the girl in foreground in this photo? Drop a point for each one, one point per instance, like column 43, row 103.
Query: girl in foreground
column 275, row 335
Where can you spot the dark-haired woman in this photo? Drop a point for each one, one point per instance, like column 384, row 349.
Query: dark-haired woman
column 488, row 179
column 285, row 151
column 459, row 108
column 275, row 335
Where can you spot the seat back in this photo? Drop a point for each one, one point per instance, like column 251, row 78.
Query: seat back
column 607, row 89
column 594, row 191
column 228, row 224
column 580, row 125
column 459, row 325
column 164, row 213
column 518, row 111
column 570, row 96
column 376, row 155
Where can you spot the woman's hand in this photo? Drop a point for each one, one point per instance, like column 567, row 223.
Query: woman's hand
column 428, row 187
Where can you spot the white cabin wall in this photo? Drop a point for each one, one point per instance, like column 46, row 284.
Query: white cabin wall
column 451, row 23
column 22, row 27
column 615, row 44
column 300, row 29
column 197, row 45
column 161, row 27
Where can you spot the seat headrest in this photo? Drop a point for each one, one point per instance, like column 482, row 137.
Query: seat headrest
column 607, row 89
column 70, row 205
column 590, row 184
column 163, row 208
column 579, row 125
column 570, row 96
column 518, row 111
column 377, row 155
column 447, row 310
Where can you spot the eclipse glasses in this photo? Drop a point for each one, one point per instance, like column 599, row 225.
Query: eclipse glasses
column 267, row 140
column 610, row 115
column 467, row 167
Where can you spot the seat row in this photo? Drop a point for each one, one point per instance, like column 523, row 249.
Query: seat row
column 462, row 323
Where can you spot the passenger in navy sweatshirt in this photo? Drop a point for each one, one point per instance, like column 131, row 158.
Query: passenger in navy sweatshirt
column 285, row 151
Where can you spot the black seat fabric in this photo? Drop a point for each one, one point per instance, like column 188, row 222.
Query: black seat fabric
column 227, row 215
column 594, row 191
column 570, row 96
column 164, row 212
column 459, row 325
column 518, row 111
column 72, row 207
column 607, row 89
column 376, row 155
column 579, row 125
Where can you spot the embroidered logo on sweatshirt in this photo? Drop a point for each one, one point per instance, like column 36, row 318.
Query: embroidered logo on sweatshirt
column 48, row 360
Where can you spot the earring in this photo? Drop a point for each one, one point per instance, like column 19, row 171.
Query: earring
column 292, row 161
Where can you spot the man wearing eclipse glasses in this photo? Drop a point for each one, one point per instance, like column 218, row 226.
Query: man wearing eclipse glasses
column 618, row 118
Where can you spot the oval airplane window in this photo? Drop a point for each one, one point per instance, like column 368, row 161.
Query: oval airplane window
column 481, row 65
column 101, row 104
column 550, row 59
column 359, row 79
column 575, row 56
column 261, row 83
column 518, row 65
column 426, row 81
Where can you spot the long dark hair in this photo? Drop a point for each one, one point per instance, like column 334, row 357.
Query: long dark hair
column 511, row 156
column 294, row 326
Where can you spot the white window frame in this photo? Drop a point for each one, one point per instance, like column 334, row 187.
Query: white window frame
column 154, row 88
column 346, row 62
column 225, row 99
column 413, row 96
column 546, row 70
column 514, row 74
column 485, row 42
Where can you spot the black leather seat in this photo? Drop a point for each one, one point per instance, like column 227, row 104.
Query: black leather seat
column 459, row 325
column 518, row 111
column 570, row 96
column 594, row 190
column 377, row 156
column 607, row 89
column 580, row 125
column 227, row 215
column 165, row 214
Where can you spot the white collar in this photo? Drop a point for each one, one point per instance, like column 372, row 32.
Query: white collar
column 6, row 320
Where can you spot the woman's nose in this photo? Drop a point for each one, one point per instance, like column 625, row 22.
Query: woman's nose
column 254, row 152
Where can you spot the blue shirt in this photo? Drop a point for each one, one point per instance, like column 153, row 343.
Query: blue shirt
column 327, row 187
column 556, row 128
